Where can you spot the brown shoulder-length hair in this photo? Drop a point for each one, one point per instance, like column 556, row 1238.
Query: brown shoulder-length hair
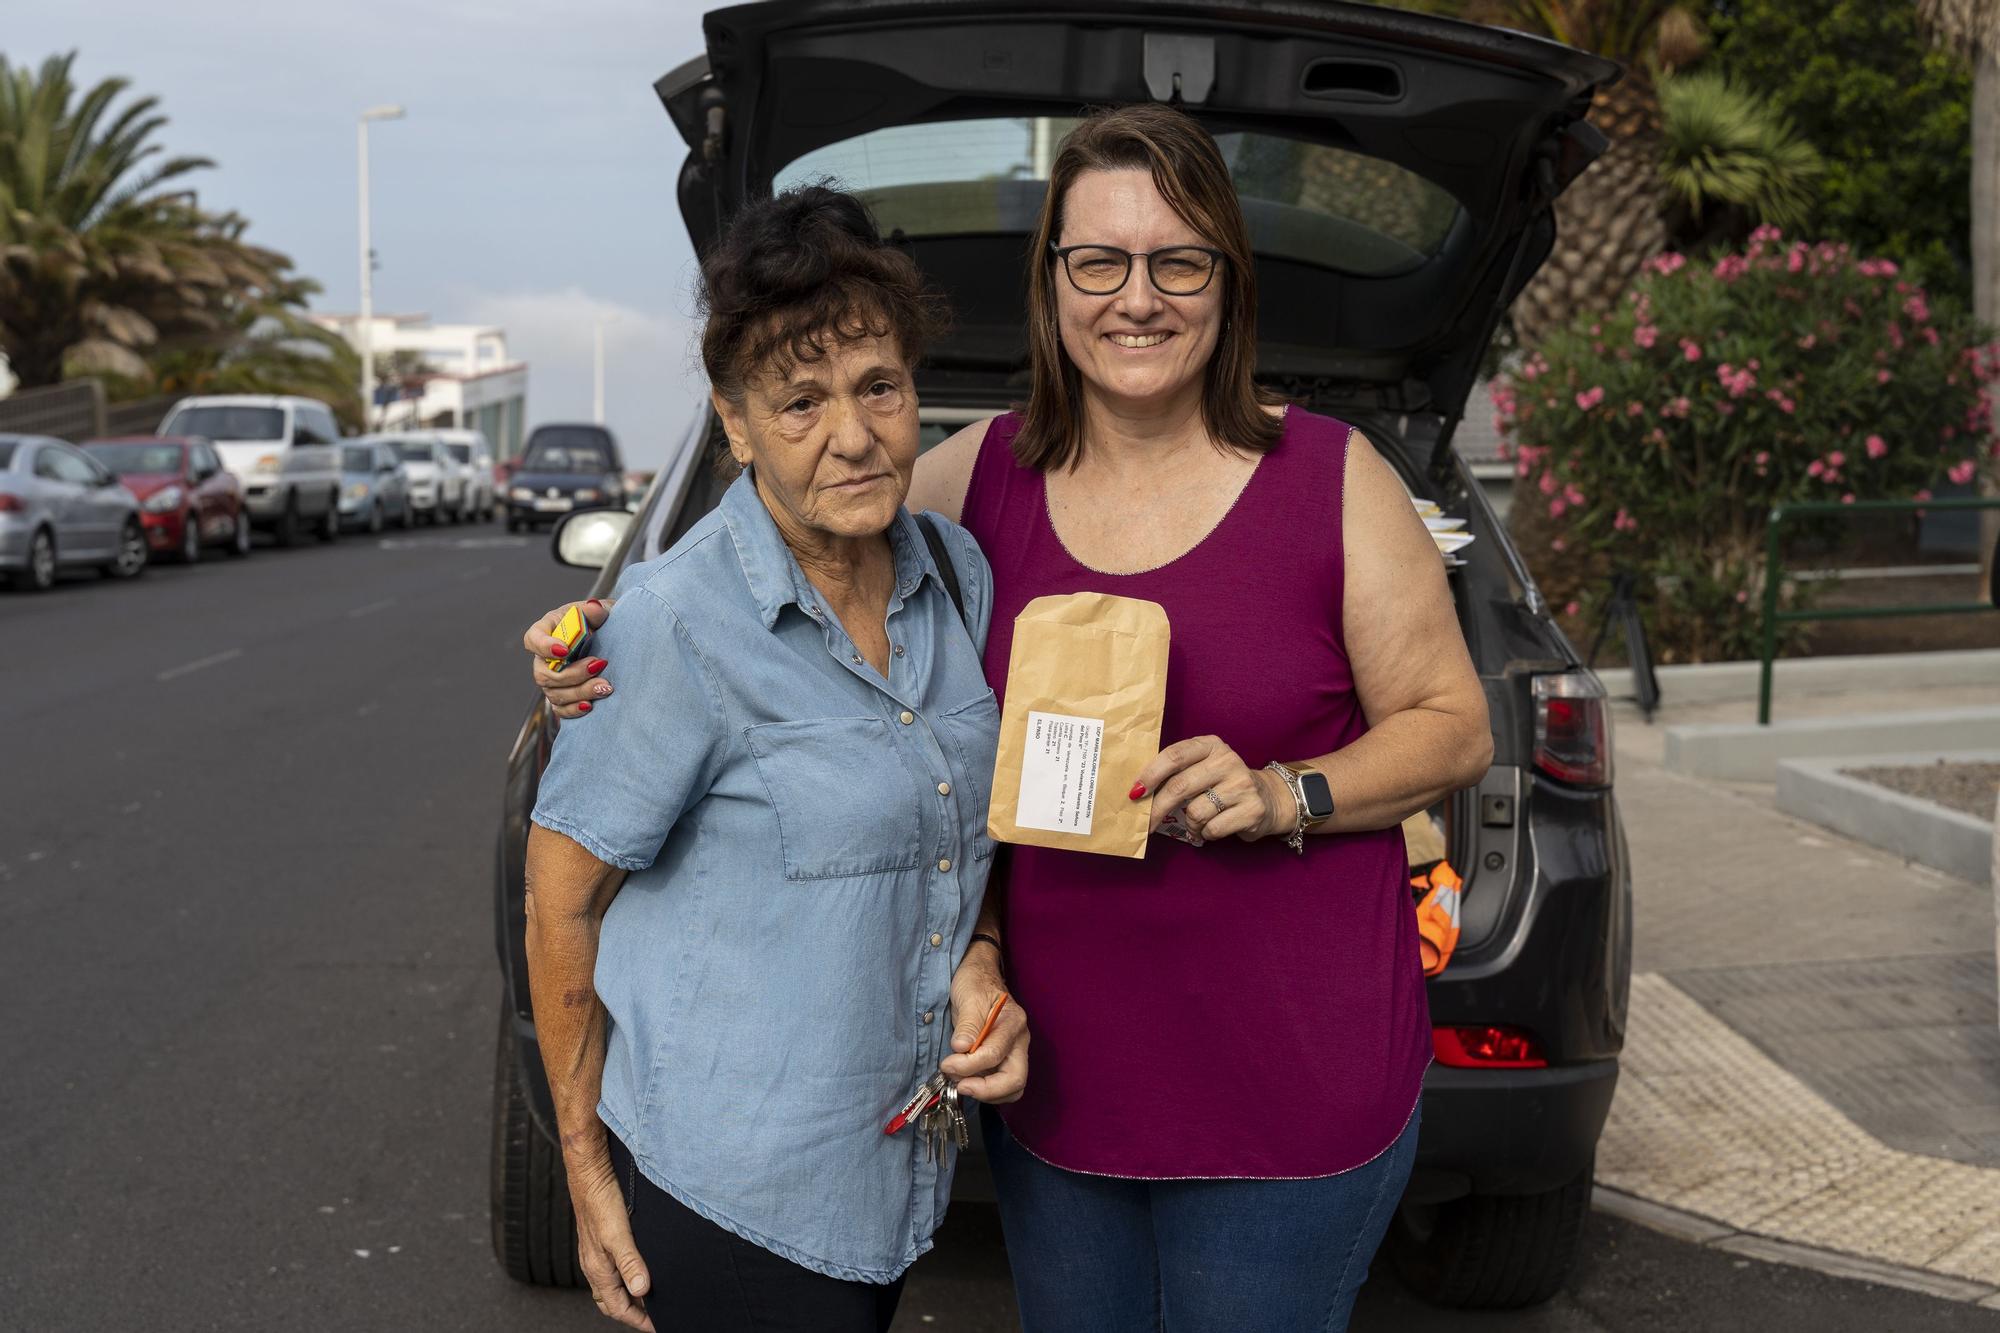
column 1190, row 174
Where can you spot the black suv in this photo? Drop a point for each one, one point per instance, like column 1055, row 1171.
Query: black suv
column 1397, row 172
column 564, row 468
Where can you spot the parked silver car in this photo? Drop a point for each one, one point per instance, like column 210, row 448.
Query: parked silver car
column 374, row 485
column 283, row 450
column 474, row 456
column 437, row 484
column 59, row 506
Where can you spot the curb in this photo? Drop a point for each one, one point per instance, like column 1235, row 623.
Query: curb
column 1746, row 752
column 1902, row 825
column 1726, row 682
column 1710, row 1234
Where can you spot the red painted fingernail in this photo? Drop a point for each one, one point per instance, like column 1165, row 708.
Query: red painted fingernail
column 1138, row 790
column 583, row 707
column 560, row 650
column 596, row 665
column 593, row 602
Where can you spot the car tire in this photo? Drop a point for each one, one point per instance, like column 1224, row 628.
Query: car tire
column 513, row 524
column 329, row 526
column 130, row 562
column 1491, row 1251
column 286, row 531
column 404, row 520
column 190, row 538
column 239, row 537
column 375, row 520
column 534, row 1229
column 39, row 574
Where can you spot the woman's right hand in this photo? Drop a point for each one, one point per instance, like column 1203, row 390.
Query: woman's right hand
column 604, row 1247
column 572, row 690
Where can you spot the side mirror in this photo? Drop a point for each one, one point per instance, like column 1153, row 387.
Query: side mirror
column 589, row 539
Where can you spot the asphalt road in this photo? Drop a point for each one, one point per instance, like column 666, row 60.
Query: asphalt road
column 247, row 982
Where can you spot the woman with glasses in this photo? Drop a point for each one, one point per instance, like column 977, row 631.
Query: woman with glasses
column 1230, row 1037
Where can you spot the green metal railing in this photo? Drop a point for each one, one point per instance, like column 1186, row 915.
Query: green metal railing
column 1773, row 617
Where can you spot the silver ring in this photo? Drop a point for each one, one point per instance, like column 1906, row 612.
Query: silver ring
column 1219, row 806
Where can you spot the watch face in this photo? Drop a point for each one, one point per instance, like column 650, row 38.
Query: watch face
column 1319, row 795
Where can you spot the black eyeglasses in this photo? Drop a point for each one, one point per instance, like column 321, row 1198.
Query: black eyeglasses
column 1101, row 270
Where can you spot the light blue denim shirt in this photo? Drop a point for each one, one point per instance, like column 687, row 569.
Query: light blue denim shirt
column 807, row 847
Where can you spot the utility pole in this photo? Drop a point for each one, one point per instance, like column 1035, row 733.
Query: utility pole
column 368, row 269
column 597, row 371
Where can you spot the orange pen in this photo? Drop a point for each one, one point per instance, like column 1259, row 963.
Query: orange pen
column 928, row 1095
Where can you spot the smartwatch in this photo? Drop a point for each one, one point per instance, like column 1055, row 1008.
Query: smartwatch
column 1312, row 794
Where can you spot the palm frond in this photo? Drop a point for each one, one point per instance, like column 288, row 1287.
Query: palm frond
column 1725, row 145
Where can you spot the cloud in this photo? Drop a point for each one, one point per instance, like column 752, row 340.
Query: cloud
column 651, row 382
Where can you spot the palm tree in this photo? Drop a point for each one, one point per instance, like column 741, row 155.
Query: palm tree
column 1729, row 161
column 106, row 259
column 1973, row 27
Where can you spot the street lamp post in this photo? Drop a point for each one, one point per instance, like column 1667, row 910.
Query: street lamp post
column 368, row 269
column 597, row 373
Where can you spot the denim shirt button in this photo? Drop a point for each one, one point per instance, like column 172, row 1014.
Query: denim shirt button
column 936, row 940
column 899, row 650
column 944, row 789
column 928, row 1016
column 945, row 864
column 907, row 717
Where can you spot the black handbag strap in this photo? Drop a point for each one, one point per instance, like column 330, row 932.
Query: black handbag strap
column 946, row 570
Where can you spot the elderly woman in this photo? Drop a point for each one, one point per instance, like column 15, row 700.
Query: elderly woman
column 1230, row 1038
column 749, row 880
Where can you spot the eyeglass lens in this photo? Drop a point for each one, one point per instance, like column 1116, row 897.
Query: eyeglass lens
column 1101, row 270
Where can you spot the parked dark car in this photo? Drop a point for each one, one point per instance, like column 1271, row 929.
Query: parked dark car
column 564, row 468
column 188, row 501
column 1398, row 173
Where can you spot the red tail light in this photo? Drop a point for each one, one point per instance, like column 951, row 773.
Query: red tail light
column 1572, row 729
column 1487, row 1046
column 11, row 504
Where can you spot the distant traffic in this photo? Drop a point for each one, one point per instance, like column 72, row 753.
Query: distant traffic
column 223, row 468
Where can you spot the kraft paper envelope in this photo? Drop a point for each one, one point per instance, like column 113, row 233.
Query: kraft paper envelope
column 1086, row 688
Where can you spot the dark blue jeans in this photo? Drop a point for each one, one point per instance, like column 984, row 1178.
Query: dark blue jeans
column 1101, row 1254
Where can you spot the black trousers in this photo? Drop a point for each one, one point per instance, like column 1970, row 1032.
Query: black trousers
column 709, row 1280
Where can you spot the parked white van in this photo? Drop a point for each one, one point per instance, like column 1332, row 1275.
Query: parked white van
column 284, row 450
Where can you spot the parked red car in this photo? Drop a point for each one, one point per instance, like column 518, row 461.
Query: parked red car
column 188, row 501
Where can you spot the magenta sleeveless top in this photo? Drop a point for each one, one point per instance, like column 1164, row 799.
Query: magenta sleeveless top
column 1233, row 1009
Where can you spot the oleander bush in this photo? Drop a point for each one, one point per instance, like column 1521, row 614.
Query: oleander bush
column 1657, row 438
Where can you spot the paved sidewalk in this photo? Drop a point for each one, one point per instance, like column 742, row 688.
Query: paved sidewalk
column 1813, row 1058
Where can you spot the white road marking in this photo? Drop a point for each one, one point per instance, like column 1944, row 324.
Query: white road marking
column 461, row 544
column 371, row 608
column 213, row 659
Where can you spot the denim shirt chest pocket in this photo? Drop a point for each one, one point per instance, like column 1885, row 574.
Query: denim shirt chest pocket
column 973, row 730
column 845, row 797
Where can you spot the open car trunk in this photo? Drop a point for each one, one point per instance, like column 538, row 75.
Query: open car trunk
column 1396, row 170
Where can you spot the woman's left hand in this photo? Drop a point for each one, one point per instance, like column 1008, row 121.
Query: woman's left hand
column 1249, row 802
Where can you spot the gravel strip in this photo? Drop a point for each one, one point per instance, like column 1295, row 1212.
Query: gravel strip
column 1970, row 788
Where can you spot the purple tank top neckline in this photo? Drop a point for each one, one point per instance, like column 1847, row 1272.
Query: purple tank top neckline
column 1233, row 1010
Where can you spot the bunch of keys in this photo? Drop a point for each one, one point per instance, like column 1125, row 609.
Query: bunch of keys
column 936, row 1107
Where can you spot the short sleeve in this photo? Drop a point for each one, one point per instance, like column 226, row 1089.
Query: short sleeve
column 619, row 778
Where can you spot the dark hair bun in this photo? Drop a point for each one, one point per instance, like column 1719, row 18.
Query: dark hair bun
column 796, row 272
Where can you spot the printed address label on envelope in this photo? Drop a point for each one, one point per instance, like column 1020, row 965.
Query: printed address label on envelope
column 1059, row 773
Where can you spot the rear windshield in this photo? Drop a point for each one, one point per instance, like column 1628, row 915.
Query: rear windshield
column 417, row 451
column 1304, row 201
column 568, row 450
column 127, row 459
column 357, row 460
column 223, row 424
column 462, row 452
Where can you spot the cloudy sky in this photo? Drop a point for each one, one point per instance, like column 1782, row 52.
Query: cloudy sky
column 531, row 185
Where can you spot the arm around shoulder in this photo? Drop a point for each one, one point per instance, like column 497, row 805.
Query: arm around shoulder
column 944, row 473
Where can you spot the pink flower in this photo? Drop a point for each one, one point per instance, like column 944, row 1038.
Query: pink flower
column 1763, row 457
column 1962, row 473
column 1922, row 495
column 1742, row 595
column 1635, row 409
column 1930, row 335
column 1571, row 609
column 1624, row 522
column 1807, row 342
column 1559, row 545
column 1590, row 397
column 1796, row 260
column 1572, row 494
column 1836, row 459
column 1668, row 263
column 1547, row 483
column 1645, row 335
column 1690, row 349
column 1848, row 498
column 1877, row 446
column 1814, row 468
column 1883, row 377
column 1558, row 507
column 1916, row 309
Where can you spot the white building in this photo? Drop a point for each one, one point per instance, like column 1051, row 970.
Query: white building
column 467, row 379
